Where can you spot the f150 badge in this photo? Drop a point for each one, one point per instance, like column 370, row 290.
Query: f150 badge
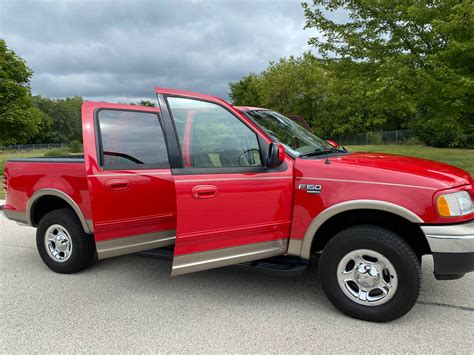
column 311, row 189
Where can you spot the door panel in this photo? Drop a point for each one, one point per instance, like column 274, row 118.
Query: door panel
column 248, row 208
column 230, row 208
column 130, row 183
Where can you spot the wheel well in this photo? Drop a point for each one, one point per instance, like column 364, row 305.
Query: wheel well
column 407, row 230
column 46, row 204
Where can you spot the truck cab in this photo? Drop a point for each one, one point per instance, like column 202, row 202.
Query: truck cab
column 226, row 185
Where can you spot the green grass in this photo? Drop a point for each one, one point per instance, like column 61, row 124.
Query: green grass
column 11, row 154
column 463, row 158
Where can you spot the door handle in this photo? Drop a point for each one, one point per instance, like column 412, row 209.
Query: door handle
column 205, row 191
column 117, row 184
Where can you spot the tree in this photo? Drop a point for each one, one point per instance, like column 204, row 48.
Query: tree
column 323, row 92
column 143, row 103
column 146, row 103
column 246, row 91
column 18, row 118
column 62, row 120
column 421, row 60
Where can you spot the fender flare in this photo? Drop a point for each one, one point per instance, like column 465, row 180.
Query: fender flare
column 302, row 247
column 86, row 224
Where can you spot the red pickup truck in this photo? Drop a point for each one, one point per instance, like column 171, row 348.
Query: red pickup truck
column 239, row 185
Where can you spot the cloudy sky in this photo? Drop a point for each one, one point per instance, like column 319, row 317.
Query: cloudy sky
column 120, row 50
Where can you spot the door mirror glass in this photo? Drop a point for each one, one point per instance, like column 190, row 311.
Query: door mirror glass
column 276, row 155
column 332, row 143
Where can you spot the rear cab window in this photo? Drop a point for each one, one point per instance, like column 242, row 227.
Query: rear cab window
column 130, row 140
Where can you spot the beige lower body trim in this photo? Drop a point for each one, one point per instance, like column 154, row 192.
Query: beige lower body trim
column 134, row 244
column 90, row 225
column 350, row 205
column 62, row 195
column 188, row 263
column 294, row 247
column 16, row 216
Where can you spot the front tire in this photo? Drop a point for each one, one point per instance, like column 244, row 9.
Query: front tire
column 370, row 273
column 62, row 243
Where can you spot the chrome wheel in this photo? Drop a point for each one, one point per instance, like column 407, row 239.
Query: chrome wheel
column 58, row 243
column 367, row 277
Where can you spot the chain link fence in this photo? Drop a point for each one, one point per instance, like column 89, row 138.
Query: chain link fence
column 369, row 138
column 27, row 147
column 376, row 138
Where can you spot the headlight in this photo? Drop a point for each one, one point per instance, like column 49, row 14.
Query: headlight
column 455, row 204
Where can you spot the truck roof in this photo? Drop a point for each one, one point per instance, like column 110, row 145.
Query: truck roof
column 249, row 108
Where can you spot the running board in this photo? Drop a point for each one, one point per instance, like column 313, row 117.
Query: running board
column 162, row 253
column 289, row 265
column 279, row 264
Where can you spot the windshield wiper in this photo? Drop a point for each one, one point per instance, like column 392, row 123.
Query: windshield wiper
column 316, row 153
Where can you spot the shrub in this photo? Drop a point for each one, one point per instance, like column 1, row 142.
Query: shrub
column 75, row 146
column 444, row 132
column 2, row 166
column 56, row 153
column 374, row 137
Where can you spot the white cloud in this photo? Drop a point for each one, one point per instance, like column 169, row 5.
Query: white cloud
column 122, row 49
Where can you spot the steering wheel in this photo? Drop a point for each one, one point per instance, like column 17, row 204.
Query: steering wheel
column 248, row 156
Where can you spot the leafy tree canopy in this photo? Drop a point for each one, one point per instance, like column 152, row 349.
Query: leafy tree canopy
column 421, row 60
column 61, row 119
column 392, row 65
column 18, row 118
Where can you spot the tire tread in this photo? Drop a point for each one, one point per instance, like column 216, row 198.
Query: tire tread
column 384, row 238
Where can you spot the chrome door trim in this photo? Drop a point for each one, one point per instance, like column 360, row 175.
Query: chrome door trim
column 318, row 221
column 185, row 264
column 135, row 243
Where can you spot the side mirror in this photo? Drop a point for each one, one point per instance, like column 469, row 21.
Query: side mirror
column 332, row 143
column 276, row 155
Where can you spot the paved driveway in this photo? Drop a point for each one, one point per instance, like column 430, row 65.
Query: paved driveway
column 130, row 304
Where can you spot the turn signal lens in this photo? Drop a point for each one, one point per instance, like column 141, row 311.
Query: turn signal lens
column 443, row 208
column 454, row 204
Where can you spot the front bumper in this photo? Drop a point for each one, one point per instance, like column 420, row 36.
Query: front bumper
column 453, row 249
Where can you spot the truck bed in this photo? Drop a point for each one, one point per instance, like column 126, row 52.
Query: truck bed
column 25, row 177
column 59, row 159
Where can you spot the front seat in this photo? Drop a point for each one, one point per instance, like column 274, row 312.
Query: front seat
column 230, row 152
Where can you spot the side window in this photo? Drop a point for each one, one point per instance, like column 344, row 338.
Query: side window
column 131, row 140
column 212, row 137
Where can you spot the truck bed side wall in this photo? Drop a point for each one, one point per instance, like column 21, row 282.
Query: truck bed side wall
column 27, row 177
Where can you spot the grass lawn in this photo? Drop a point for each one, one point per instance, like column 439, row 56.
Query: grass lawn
column 463, row 158
column 4, row 155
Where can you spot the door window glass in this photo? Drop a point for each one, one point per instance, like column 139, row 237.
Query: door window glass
column 131, row 140
column 212, row 137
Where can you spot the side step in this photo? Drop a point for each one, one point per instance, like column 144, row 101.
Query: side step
column 279, row 264
column 288, row 265
column 162, row 253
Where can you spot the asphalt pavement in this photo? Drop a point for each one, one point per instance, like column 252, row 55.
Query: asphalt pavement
column 130, row 304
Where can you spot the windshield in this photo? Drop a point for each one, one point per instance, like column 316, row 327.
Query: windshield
column 295, row 138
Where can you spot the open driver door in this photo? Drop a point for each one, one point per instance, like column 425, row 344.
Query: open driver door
column 234, row 203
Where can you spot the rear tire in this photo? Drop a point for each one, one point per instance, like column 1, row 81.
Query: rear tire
column 370, row 273
column 62, row 243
